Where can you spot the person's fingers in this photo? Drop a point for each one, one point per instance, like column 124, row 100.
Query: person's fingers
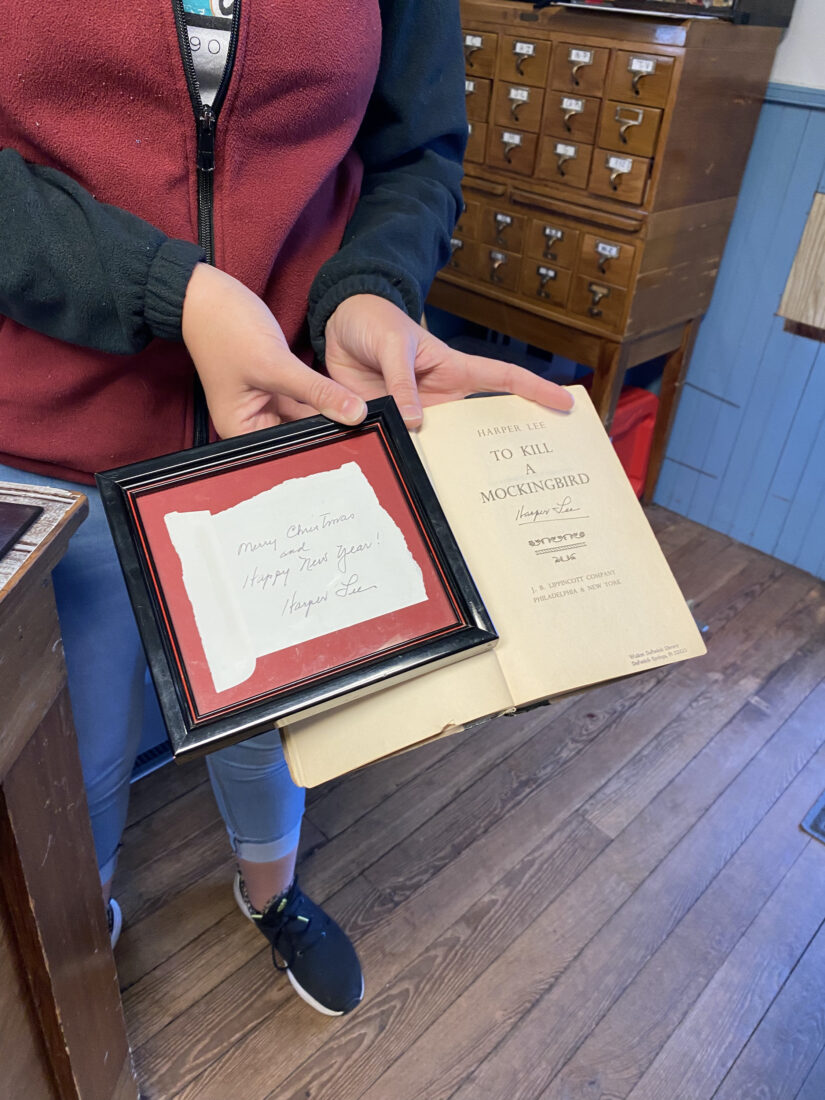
column 294, row 379
column 396, row 361
column 250, row 400
column 493, row 376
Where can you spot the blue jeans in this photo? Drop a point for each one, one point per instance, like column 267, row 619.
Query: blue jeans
column 260, row 805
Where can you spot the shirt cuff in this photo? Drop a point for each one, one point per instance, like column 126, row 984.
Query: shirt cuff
column 169, row 275
column 326, row 295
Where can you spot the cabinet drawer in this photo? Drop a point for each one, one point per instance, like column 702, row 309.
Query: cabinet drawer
column 464, row 257
column 512, row 150
column 544, row 283
column 480, row 48
column 565, row 162
column 619, row 177
column 476, row 141
column 630, row 129
column 598, row 301
column 468, row 222
column 573, row 117
column 579, row 69
column 502, row 229
column 518, row 105
column 640, row 78
column 605, row 258
column 555, row 244
column 498, row 267
column 477, row 93
column 524, row 61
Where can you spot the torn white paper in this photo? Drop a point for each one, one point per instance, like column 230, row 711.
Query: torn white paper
column 308, row 557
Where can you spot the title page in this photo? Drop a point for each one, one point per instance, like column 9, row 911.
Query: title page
column 557, row 542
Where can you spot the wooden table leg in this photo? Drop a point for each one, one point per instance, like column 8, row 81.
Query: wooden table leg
column 673, row 377
column 608, row 379
column 52, row 891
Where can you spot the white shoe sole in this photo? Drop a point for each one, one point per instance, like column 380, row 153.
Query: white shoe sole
column 117, row 922
column 299, row 989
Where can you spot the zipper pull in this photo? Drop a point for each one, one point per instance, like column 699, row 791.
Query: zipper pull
column 206, row 139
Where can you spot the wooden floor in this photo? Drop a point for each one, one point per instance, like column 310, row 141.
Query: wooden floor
column 608, row 898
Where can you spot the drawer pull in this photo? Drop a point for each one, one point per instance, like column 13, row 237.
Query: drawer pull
column 607, row 252
column 455, row 246
column 471, row 46
column 564, row 153
column 574, row 72
column 498, row 259
column 502, row 222
column 619, row 166
column 628, row 117
column 546, row 275
column 515, row 107
column 509, row 146
column 550, row 237
column 636, row 82
column 597, row 294
column 561, row 160
column 520, row 62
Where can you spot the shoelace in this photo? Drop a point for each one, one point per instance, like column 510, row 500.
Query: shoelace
column 289, row 927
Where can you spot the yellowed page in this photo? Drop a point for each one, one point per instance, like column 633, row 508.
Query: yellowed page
column 357, row 733
column 557, row 542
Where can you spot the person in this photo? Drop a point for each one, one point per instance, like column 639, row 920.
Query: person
column 178, row 240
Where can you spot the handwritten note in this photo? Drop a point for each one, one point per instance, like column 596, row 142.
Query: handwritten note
column 296, row 562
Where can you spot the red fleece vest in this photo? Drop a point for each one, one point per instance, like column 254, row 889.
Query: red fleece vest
column 102, row 96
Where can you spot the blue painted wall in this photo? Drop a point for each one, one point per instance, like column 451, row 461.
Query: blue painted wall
column 747, row 453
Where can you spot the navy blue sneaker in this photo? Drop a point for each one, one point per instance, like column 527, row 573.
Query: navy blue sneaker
column 316, row 954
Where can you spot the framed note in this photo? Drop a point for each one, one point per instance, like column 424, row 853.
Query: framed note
column 277, row 573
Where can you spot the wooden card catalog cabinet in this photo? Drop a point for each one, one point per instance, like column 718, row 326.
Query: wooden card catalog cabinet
column 605, row 158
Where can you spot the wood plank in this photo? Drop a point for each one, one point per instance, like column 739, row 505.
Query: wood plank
column 627, row 792
column 53, row 892
column 26, row 1069
column 625, row 1042
column 476, row 1022
column 160, row 787
column 357, row 1047
column 174, row 986
column 437, row 837
column 803, row 300
column 167, row 903
column 358, row 793
column 789, row 1038
column 381, row 902
column 524, row 1062
column 534, row 861
column 699, row 1054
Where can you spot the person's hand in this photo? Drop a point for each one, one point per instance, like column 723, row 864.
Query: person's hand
column 250, row 377
column 373, row 348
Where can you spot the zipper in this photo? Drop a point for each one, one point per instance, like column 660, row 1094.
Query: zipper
column 206, row 122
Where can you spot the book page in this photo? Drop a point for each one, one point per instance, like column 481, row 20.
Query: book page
column 359, row 732
column 557, row 542
column 304, row 559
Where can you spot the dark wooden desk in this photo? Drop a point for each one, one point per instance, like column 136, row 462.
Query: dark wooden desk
column 62, row 1035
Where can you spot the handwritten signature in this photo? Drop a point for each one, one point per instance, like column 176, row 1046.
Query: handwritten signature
column 564, row 507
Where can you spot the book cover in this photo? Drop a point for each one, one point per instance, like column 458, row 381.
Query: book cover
column 565, row 560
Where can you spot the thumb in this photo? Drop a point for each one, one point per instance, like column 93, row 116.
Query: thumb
column 396, row 355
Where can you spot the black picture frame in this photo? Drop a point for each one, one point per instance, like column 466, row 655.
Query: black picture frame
column 194, row 730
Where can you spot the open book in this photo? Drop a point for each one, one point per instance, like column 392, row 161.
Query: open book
column 566, row 563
